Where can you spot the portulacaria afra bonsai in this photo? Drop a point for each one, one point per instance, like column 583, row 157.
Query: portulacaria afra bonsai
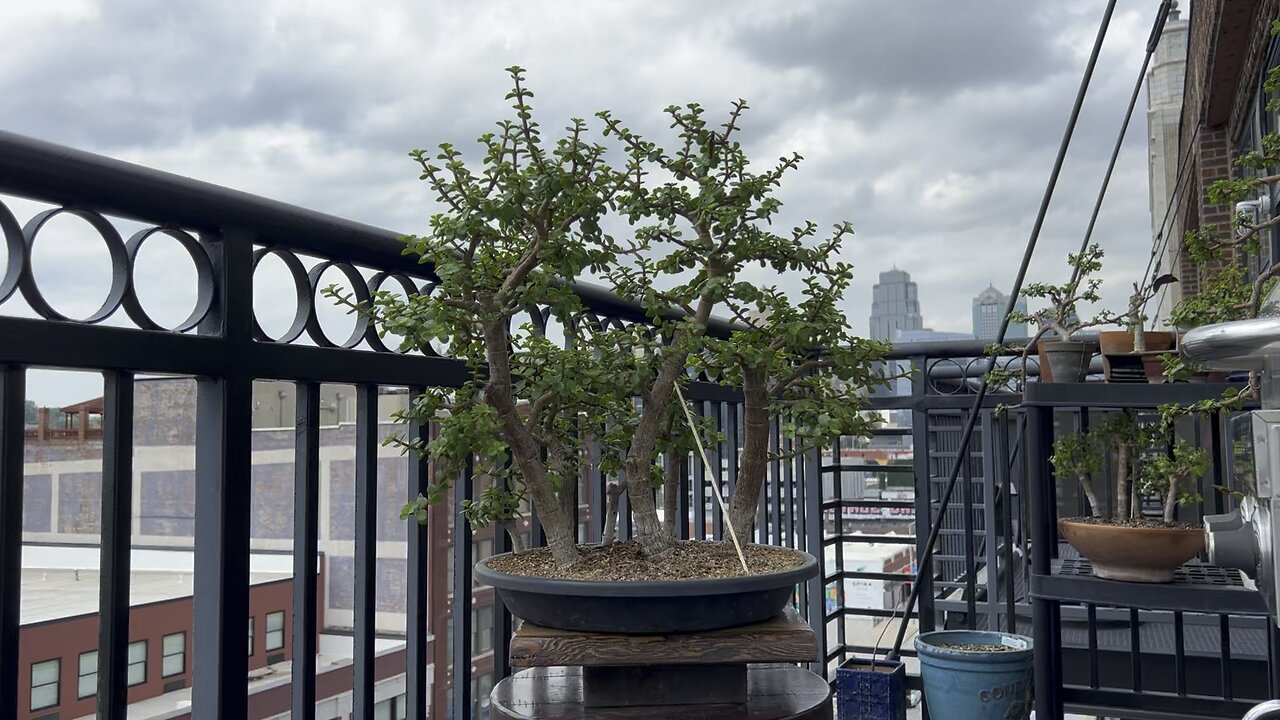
column 685, row 233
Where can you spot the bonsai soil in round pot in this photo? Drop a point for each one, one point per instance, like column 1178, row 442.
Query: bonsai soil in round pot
column 1144, row 551
column 1068, row 360
column 975, row 675
column 699, row 586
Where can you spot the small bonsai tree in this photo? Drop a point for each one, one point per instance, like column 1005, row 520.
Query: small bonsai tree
column 1147, row 461
column 1061, row 315
column 516, row 235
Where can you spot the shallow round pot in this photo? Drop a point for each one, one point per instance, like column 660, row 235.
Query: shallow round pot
column 975, row 685
column 1133, row 554
column 650, row 606
column 1068, row 360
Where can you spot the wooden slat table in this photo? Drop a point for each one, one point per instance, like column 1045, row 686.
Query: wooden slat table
column 732, row 673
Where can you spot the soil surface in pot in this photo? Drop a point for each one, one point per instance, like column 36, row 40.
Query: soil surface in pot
column 1143, row 522
column 689, row 560
column 979, row 648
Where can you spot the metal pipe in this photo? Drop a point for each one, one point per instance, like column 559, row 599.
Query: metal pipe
column 1268, row 709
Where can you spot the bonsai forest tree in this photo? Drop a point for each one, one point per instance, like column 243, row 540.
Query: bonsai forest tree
column 518, row 232
column 1147, row 460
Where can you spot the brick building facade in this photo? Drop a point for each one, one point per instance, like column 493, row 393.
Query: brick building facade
column 1229, row 49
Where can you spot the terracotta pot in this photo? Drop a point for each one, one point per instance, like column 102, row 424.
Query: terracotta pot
column 1133, row 554
column 1120, row 342
column 1154, row 367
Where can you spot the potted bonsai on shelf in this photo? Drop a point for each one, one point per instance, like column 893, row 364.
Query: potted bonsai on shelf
column 1063, row 359
column 517, row 235
column 1146, row 460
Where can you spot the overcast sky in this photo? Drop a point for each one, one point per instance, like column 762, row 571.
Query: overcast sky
column 931, row 126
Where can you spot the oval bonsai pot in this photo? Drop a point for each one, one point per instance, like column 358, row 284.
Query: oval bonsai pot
column 1133, row 554
column 647, row 606
column 1068, row 360
column 962, row 684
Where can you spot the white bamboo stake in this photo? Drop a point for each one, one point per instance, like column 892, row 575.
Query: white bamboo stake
column 711, row 473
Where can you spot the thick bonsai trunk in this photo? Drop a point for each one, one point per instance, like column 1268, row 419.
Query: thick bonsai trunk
column 613, row 493
column 644, row 509
column 1122, row 481
column 1171, row 499
column 1095, row 507
column 754, row 463
column 499, row 394
column 673, row 485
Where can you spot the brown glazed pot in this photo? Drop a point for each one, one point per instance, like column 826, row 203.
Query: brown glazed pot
column 1133, row 554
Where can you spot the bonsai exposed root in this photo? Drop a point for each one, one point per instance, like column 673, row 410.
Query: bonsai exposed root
column 613, row 493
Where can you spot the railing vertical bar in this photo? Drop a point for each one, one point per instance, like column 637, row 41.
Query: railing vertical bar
column 366, row 549
column 224, row 422
column 502, row 627
column 1135, row 649
column 462, row 561
column 1045, row 629
column 966, row 503
column 1005, row 469
column 598, row 482
column 117, row 521
column 12, row 438
column 306, row 518
column 1179, row 655
column 1224, row 661
column 991, row 526
column 924, row 502
column 1093, row 645
column 812, row 488
column 837, row 492
column 715, row 451
column 700, row 498
column 682, row 498
column 417, row 618
column 775, row 482
column 788, row 491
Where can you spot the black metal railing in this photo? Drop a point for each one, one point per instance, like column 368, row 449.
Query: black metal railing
column 222, row 344
column 862, row 508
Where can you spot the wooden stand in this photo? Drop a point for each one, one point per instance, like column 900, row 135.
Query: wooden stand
column 730, row 673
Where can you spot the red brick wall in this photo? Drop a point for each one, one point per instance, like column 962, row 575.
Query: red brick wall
column 67, row 638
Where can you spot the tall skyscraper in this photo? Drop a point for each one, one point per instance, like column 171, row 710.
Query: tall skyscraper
column 894, row 305
column 988, row 313
column 1164, row 122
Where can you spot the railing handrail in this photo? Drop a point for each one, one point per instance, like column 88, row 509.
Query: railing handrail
column 49, row 172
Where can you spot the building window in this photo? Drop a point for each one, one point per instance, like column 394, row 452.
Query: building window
column 391, row 709
column 87, row 685
column 44, row 683
column 480, row 689
column 137, row 662
column 481, row 630
column 275, row 631
column 173, row 660
column 250, row 635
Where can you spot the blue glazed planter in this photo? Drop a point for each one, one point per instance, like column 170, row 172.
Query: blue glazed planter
column 867, row 692
column 969, row 685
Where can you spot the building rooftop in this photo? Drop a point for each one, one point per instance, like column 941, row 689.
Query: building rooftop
column 61, row 593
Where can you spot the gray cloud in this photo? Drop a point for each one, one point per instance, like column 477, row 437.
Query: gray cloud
column 930, row 126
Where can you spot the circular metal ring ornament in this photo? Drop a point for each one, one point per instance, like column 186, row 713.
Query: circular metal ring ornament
column 204, row 280
column 302, row 295
column 358, row 288
column 115, row 250
column 14, row 251
column 376, row 282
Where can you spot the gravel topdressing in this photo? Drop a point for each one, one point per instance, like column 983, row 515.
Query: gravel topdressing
column 689, row 560
column 980, row 648
column 1144, row 522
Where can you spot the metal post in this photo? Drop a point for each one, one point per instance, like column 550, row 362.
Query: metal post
column 306, row 519
column 1040, row 482
column 117, row 520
